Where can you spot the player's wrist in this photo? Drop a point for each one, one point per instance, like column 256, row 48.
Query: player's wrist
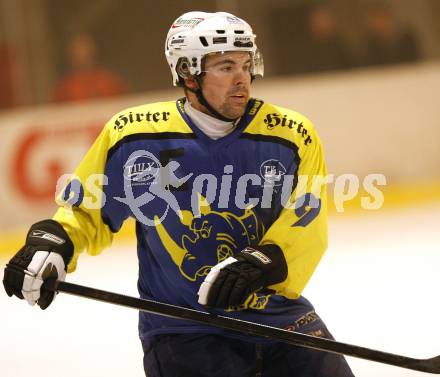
column 268, row 258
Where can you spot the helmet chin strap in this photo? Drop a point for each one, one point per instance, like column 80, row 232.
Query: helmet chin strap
column 203, row 101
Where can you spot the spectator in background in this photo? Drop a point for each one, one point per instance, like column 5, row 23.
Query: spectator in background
column 7, row 97
column 322, row 47
column 387, row 41
column 87, row 77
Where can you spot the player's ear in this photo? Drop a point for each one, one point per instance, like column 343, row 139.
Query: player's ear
column 191, row 83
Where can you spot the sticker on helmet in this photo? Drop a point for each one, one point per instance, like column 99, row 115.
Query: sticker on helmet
column 234, row 20
column 176, row 41
column 187, row 22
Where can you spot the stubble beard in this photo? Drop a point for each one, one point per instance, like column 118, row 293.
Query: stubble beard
column 232, row 111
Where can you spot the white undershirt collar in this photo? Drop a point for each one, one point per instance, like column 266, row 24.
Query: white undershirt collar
column 212, row 127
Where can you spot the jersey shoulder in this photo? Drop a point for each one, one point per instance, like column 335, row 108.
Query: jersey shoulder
column 279, row 122
column 159, row 117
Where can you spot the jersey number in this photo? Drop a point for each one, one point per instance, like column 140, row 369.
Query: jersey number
column 307, row 207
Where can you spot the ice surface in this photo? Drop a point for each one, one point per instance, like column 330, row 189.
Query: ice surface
column 377, row 286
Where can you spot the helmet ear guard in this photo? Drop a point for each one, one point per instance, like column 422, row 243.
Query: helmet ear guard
column 183, row 68
column 257, row 65
column 184, row 72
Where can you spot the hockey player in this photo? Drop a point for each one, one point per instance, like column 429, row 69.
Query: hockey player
column 228, row 215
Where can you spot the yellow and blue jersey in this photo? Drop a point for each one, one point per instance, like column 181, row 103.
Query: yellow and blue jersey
column 197, row 201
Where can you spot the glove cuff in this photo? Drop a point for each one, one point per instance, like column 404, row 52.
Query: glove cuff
column 51, row 236
column 270, row 259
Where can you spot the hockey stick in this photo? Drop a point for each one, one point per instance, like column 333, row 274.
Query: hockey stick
column 424, row 365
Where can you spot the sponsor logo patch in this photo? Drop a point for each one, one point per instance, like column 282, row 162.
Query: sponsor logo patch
column 257, row 104
column 258, row 254
column 274, row 120
column 130, row 118
column 47, row 236
column 141, row 171
column 306, row 319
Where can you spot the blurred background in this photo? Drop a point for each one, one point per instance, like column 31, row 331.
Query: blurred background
column 366, row 72
column 44, row 43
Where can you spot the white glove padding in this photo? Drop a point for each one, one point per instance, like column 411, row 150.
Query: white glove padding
column 44, row 265
column 210, row 278
column 232, row 281
column 45, row 255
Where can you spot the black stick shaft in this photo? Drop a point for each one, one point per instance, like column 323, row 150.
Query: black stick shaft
column 424, row 365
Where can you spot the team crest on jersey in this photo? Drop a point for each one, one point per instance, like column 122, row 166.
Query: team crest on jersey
column 272, row 172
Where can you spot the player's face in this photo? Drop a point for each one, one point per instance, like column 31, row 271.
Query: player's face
column 227, row 81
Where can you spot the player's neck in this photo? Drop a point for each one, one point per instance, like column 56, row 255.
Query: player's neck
column 214, row 128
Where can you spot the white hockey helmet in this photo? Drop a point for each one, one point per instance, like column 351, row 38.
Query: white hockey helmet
column 196, row 34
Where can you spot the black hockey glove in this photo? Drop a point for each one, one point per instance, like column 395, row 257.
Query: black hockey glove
column 230, row 282
column 45, row 256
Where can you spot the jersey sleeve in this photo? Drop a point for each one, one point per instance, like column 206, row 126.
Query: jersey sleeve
column 87, row 211
column 301, row 228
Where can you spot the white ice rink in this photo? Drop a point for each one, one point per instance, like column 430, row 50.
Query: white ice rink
column 377, row 286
